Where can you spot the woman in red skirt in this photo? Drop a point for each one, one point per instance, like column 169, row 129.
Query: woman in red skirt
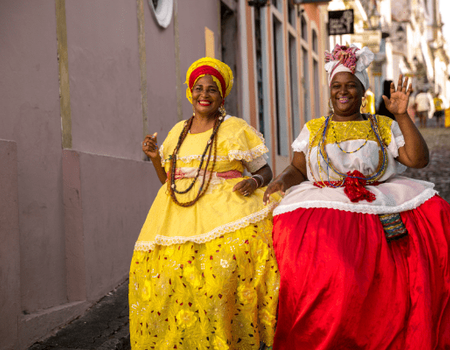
column 363, row 252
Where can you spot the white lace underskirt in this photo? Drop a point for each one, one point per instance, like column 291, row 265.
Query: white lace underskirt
column 396, row 195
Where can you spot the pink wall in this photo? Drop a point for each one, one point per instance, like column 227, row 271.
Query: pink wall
column 161, row 59
column 108, row 208
column 10, row 246
column 29, row 96
column 104, row 77
column 161, row 78
column 192, row 23
column 69, row 218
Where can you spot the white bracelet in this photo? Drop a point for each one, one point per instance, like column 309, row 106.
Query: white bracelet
column 258, row 176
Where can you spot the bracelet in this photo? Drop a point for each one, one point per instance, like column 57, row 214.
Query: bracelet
column 258, row 176
column 257, row 184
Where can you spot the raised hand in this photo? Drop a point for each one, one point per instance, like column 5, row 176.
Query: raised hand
column 150, row 146
column 398, row 103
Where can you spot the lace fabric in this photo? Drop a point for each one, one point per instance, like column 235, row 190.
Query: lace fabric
column 205, row 276
column 207, row 236
column 236, row 141
column 221, row 209
column 221, row 294
column 394, row 196
column 352, row 130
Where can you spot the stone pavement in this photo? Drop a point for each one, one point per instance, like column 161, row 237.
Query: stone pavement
column 438, row 170
column 105, row 325
column 102, row 327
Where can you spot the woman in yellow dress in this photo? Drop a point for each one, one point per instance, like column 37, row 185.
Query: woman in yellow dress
column 203, row 273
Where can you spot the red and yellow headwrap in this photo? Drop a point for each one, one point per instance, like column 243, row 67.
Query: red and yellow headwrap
column 219, row 71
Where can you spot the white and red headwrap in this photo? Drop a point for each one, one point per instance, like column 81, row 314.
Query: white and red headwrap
column 349, row 59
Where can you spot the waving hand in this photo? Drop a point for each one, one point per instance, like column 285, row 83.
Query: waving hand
column 398, row 103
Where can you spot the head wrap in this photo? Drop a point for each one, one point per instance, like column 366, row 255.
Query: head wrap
column 349, row 59
column 219, row 71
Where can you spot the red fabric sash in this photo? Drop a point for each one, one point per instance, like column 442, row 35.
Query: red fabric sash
column 353, row 187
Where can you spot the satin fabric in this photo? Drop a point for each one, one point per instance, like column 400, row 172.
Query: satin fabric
column 344, row 287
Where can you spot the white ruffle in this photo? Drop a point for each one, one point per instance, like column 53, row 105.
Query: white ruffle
column 208, row 236
column 301, row 143
column 397, row 139
column 247, row 156
column 394, row 196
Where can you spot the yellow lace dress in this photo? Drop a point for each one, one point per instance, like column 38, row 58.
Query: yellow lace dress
column 205, row 276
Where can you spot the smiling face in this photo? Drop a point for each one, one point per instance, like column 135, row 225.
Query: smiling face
column 206, row 97
column 346, row 93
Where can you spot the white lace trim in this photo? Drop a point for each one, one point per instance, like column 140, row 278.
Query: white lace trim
column 248, row 156
column 209, row 236
column 359, row 208
column 161, row 154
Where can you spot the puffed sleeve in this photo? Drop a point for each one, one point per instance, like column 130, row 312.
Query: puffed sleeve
column 397, row 139
column 300, row 144
column 243, row 141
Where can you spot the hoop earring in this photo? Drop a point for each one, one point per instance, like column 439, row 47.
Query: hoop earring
column 222, row 111
column 330, row 105
column 193, row 111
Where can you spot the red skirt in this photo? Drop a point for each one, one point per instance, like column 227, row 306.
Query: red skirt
column 344, row 287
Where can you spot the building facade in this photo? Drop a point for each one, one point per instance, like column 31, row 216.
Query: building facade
column 82, row 83
column 406, row 37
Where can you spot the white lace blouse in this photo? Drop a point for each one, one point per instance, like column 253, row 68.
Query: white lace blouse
column 394, row 193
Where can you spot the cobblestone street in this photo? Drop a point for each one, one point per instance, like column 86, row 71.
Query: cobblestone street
column 105, row 325
column 438, row 170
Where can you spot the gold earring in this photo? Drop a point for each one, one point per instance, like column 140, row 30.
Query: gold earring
column 363, row 105
column 363, row 102
column 193, row 111
column 222, row 111
column 330, row 105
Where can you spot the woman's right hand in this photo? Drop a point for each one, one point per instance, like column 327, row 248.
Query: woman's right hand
column 274, row 186
column 150, row 146
column 291, row 176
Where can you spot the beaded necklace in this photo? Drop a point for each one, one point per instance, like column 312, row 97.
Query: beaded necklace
column 382, row 156
column 339, row 144
column 212, row 143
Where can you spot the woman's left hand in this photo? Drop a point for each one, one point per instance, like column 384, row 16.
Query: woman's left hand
column 246, row 187
column 398, row 103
